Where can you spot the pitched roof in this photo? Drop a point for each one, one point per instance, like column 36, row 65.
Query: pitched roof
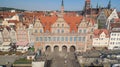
column 73, row 21
column 97, row 32
column 47, row 21
column 115, row 25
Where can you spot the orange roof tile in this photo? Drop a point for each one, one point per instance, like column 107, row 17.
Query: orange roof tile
column 97, row 32
column 73, row 21
column 47, row 21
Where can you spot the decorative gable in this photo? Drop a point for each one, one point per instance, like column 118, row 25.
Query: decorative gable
column 38, row 24
column 83, row 23
column 60, row 26
column 38, row 27
column 113, row 15
column 102, row 35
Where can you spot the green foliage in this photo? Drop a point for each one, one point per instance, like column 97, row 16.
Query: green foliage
column 22, row 61
column 32, row 48
column 7, row 9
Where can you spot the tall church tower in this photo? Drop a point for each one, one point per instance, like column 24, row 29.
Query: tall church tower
column 109, row 4
column 87, row 4
column 87, row 7
column 62, row 7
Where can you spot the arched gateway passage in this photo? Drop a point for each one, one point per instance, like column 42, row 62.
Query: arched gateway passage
column 56, row 48
column 72, row 49
column 48, row 48
column 64, row 48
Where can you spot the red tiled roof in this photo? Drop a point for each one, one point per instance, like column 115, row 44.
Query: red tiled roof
column 115, row 25
column 97, row 32
column 73, row 21
column 117, row 20
column 47, row 21
column 13, row 21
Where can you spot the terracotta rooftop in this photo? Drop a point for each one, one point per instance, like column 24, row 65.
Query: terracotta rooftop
column 97, row 32
column 117, row 20
column 73, row 21
column 47, row 21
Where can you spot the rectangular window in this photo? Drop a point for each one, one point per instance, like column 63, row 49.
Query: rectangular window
column 58, row 31
column 79, row 39
column 84, row 31
column 80, row 31
column 37, row 38
column 40, row 31
column 75, row 39
column 70, row 38
column 66, row 38
column 49, row 38
column 45, row 38
column 54, row 38
column 58, row 39
column 62, row 38
column 83, row 39
column 41, row 39
column 35, row 31
column 62, row 31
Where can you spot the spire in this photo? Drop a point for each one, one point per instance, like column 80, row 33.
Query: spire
column 109, row 4
column 62, row 7
column 97, row 6
column 62, row 4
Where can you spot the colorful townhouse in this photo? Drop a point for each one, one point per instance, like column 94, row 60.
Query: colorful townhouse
column 101, row 38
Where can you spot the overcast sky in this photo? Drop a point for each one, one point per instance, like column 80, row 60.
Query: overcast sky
column 55, row 4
